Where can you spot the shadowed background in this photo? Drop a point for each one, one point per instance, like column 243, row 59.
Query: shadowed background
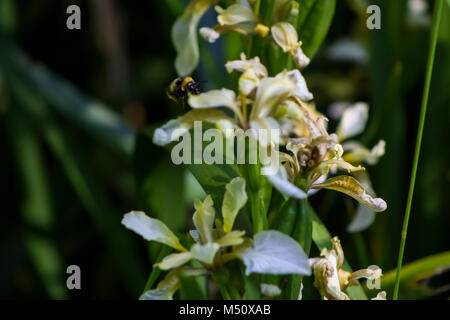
column 77, row 108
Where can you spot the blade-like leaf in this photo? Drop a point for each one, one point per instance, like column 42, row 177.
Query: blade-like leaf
column 315, row 18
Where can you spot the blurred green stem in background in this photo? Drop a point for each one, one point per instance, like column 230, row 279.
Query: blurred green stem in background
column 433, row 42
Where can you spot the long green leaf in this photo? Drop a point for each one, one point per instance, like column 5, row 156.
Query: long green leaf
column 314, row 20
column 414, row 275
column 87, row 188
column 37, row 209
column 92, row 115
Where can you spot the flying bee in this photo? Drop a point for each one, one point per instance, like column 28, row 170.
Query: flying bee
column 181, row 87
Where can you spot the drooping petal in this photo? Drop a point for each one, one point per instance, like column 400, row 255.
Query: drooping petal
column 267, row 131
column 209, row 34
column 353, row 121
column 274, row 253
column 184, row 36
column 281, row 183
column 174, row 260
column 350, row 186
column 174, row 129
column 300, row 59
column 215, row 98
column 364, row 217
column 203, row 218
column 205, row 252
column 151, row 229
column 301, row 89
column 270, row 92
column 357, row 153
column 285, row 35
column 234, row 199
column 235, row 14
column 326, row 276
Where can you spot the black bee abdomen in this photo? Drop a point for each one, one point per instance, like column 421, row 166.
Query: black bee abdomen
column 193, row 88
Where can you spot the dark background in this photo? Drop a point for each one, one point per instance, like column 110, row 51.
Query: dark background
column 63, row 205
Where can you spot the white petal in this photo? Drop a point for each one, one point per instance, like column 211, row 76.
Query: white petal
column 270, row 290
column 301, row 60
column 174, row 260
column 214, row 98
column 282, row 184
column 285, row 35
column 205, row 253
column 209, row 34
column 169, row 132
column 236, row 13
column 353, row 120
column 271, row 91
column 243, row 65
column 274, row 253
column 184, row 36
column 301, row 88
column 364, row 217
column 151, row 229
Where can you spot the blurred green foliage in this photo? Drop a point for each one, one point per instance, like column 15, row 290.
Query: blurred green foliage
column 72, row 165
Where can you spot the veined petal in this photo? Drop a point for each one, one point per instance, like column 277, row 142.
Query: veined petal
column 184, row 36
column 234, row 238
column 174, row 260
column 281, row 183
column 274, row 252
column 351, row 187
column 205, row 252
column 151, row 229
column 236, row 13
column 267, row 130
column 353, row 121
column 173, row 129
column 301, row 89
column 215, row 98
column 285, row 35
column 234, row 199
column 203, row 218
column 270, row 92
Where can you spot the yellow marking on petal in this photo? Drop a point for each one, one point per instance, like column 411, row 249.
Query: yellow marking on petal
column 351, row 187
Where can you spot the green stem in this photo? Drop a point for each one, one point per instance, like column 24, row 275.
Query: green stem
column 250, row 41
column 432, row 50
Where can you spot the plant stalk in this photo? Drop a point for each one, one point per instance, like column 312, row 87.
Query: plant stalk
column 426, row 91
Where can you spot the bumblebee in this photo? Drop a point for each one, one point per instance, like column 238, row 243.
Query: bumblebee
column 181, row 87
